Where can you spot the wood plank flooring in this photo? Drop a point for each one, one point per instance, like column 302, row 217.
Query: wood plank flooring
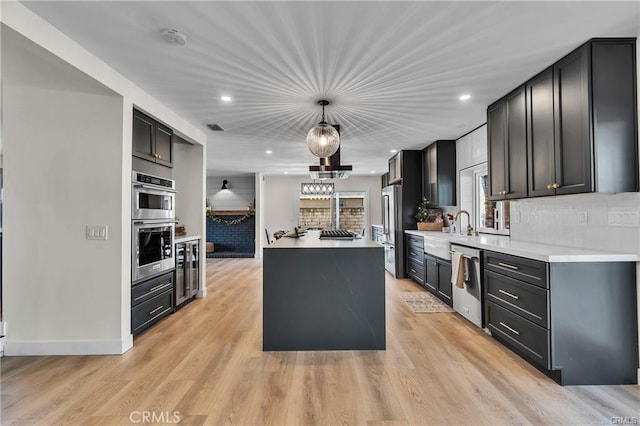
column 205, row 365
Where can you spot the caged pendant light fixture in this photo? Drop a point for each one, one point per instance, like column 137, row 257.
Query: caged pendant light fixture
column 323, row 139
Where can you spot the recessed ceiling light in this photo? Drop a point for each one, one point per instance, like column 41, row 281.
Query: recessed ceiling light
column 393, row 151
column 268, row 151
column 286, row 173
column 465, row 97
column 225, row 98
column 373, row 171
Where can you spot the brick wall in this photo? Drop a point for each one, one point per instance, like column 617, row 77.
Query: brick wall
column 351, row 218
column 238, row 238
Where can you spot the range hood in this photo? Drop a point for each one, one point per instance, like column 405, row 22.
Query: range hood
column 330, row 167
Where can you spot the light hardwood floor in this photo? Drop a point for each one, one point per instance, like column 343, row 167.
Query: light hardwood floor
column 206, row 363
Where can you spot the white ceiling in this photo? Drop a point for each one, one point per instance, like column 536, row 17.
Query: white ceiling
column 393, row 70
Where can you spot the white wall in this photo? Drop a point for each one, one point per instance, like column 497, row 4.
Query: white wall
column 281, row 200
column 240, row 194
column 190, row 193
column 87, row 107
column 60, row 175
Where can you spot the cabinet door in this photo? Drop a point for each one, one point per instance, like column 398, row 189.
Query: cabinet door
column 430, row 174
column 497, row 146
column 541, row 134
column 431, row 281
column 572, row 123
column 395, row 168
column 444, row 282
column 195, row 267
column 163, row 145
column 516, row 177
column 142, row 138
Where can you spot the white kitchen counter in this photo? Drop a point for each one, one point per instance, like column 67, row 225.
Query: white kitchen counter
column 542, row 252
column 185, row 238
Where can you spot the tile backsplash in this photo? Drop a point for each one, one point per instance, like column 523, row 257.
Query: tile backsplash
column 594, row 221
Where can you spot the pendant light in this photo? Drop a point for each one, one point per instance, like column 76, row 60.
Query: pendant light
column 323, row 139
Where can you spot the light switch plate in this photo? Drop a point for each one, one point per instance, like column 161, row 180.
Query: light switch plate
column 97, row 232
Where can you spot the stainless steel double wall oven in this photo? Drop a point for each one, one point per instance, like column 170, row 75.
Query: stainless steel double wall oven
column 153, row 226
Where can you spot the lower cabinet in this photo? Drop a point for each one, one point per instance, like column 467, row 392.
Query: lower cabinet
column 576, row 322
column 438, row 278
column 151, row 301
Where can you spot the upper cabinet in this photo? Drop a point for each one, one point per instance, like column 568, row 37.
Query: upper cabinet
column 151, row 140
column 507, row 146
column 439, row 173
column 581, row 126
column 404, row 165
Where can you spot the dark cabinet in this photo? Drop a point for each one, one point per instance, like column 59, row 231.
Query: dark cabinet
column 438, row 278
column 507, row 146
column 151, row 301
column 582, row 122
column 541, row 132
column 439, row 173
column 187, row 273
column 565, row 318
column 415, row 258
column 151, row 140
column 405, row 165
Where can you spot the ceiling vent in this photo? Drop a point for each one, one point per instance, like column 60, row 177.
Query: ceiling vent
column 330, row 167
column 174, row 37
column 215, row 127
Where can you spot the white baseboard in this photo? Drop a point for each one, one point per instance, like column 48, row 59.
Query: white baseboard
column 201, row 293
column 638, row 381
column 75, row 347
column 3, row 342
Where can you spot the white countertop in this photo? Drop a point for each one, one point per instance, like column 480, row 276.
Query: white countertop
column 184, row 238
column 542, row 252
column 311, row 240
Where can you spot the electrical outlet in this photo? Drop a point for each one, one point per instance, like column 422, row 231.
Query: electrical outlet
column 97, row 232
column 581, row 217
column 623, row 218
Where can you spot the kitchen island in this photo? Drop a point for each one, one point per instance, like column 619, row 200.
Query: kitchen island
column 323, row 295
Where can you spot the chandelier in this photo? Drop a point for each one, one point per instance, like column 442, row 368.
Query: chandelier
column 323, row 139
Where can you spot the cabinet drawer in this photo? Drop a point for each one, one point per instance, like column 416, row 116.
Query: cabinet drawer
column 527, row 270
column 416, row 242
column 526, row 300
column 519, row 334
column 151, row 311
column 415, row 254
column 148, row 289
column 416, row 271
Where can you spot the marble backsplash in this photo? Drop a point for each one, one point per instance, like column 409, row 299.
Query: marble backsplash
column 595, row 221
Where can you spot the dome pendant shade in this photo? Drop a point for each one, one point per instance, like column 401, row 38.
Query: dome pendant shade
column 323, row 139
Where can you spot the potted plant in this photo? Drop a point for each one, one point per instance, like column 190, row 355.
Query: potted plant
column 429, row 219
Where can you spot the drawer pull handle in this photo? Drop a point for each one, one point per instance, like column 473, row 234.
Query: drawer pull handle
column 414, row 271
column 151, row 290
column 506, row 265
column 509, row 328
column 161, row 306
column 509, row 294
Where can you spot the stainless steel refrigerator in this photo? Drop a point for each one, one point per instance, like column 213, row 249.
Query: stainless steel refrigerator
column 391, row 200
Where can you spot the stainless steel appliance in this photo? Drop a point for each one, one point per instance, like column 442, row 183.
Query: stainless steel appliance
column 187, row 271
column 152, row 249
column 153, row 197
column 391, row 199
column 467, row 301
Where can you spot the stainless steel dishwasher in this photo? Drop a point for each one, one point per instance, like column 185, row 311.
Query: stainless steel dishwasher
column 467, row 301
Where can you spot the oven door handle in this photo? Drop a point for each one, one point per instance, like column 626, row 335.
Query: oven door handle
column 154, row 188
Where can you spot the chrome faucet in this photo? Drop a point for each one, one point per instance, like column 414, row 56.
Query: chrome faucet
column 469, row 227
